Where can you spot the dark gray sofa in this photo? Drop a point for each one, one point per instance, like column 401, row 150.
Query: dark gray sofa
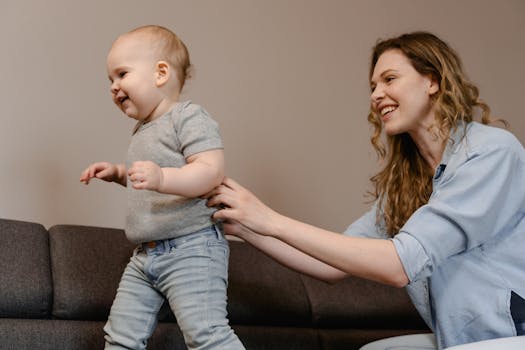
column 57, row 286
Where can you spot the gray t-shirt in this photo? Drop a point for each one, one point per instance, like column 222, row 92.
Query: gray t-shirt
column 185, row 130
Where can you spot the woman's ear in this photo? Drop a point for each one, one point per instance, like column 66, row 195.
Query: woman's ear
column 433, row 87
column 162, row 73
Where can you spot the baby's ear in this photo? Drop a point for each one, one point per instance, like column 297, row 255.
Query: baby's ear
column 162, row 72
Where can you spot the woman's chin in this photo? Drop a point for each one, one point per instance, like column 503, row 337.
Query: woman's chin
column 390, row 130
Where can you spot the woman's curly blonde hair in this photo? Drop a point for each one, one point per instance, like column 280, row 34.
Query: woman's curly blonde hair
column 405, row 182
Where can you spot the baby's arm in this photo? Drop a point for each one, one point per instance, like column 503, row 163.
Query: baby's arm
column 105, row 171
column 203, row 172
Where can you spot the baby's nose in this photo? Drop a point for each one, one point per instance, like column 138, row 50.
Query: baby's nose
column 114, row 88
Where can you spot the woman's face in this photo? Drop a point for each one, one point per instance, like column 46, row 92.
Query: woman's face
column 401, row 96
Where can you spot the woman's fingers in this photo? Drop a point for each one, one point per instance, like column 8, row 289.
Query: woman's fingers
column 220, row 195
column 228, row 186
column 232, row 184
column 212, row 193
column 233, row 228
column 222, row 200
column 235, row 203
column 221, row 214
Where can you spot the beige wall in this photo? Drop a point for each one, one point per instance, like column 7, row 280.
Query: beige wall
column 287, row 81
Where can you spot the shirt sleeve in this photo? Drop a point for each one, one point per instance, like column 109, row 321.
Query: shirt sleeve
column 367, row 226
column 197, row 131
column 481, row 199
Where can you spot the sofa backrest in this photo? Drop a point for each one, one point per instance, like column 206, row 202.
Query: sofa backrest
column 263, row 292
column 72, row 272
column 25, row 275
column 359, row 303
column 87, row 263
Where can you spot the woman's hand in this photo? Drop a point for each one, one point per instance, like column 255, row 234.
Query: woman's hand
column 240, row 207
column 234, row 228
column 311, row 250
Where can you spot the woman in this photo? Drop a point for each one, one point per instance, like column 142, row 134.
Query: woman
column 449, row 203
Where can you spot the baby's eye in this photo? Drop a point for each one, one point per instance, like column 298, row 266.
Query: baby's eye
column 122, row 74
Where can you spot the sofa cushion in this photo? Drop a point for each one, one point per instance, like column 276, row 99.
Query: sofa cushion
column 24, row 334
column 87, row 263
column 356, row 338
column 278, row 338
column 359, row 303
column 263, row 292
column 25, row 277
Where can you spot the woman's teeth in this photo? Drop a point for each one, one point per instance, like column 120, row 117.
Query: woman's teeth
column 387, row 109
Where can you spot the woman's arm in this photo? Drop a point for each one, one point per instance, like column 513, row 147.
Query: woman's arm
column 285, row 254
column 374, row 259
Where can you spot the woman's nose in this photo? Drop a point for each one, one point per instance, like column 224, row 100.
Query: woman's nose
column 377, row 94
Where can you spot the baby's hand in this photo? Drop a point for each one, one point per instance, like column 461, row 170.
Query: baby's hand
column 146, row 175
column 102, row 170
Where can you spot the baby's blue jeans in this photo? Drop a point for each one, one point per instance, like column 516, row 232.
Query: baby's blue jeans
column 191, row 273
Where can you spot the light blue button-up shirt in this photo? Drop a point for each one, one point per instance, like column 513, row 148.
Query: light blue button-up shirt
column 464, row 251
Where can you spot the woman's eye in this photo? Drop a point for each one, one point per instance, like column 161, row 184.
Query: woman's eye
column 388, row 79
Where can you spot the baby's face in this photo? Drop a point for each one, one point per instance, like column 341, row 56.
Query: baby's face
column 131, row 71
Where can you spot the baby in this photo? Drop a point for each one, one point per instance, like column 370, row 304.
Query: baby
column 174, row 157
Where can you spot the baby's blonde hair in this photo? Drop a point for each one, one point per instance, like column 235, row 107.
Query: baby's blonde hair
column 170, row 48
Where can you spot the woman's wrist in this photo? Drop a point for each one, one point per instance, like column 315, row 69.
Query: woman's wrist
column 277, row 224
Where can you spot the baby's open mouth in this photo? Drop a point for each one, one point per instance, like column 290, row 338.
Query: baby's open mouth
column 122, row 99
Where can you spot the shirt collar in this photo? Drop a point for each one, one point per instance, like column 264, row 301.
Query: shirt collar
column 454, row 142
column 452, row 146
